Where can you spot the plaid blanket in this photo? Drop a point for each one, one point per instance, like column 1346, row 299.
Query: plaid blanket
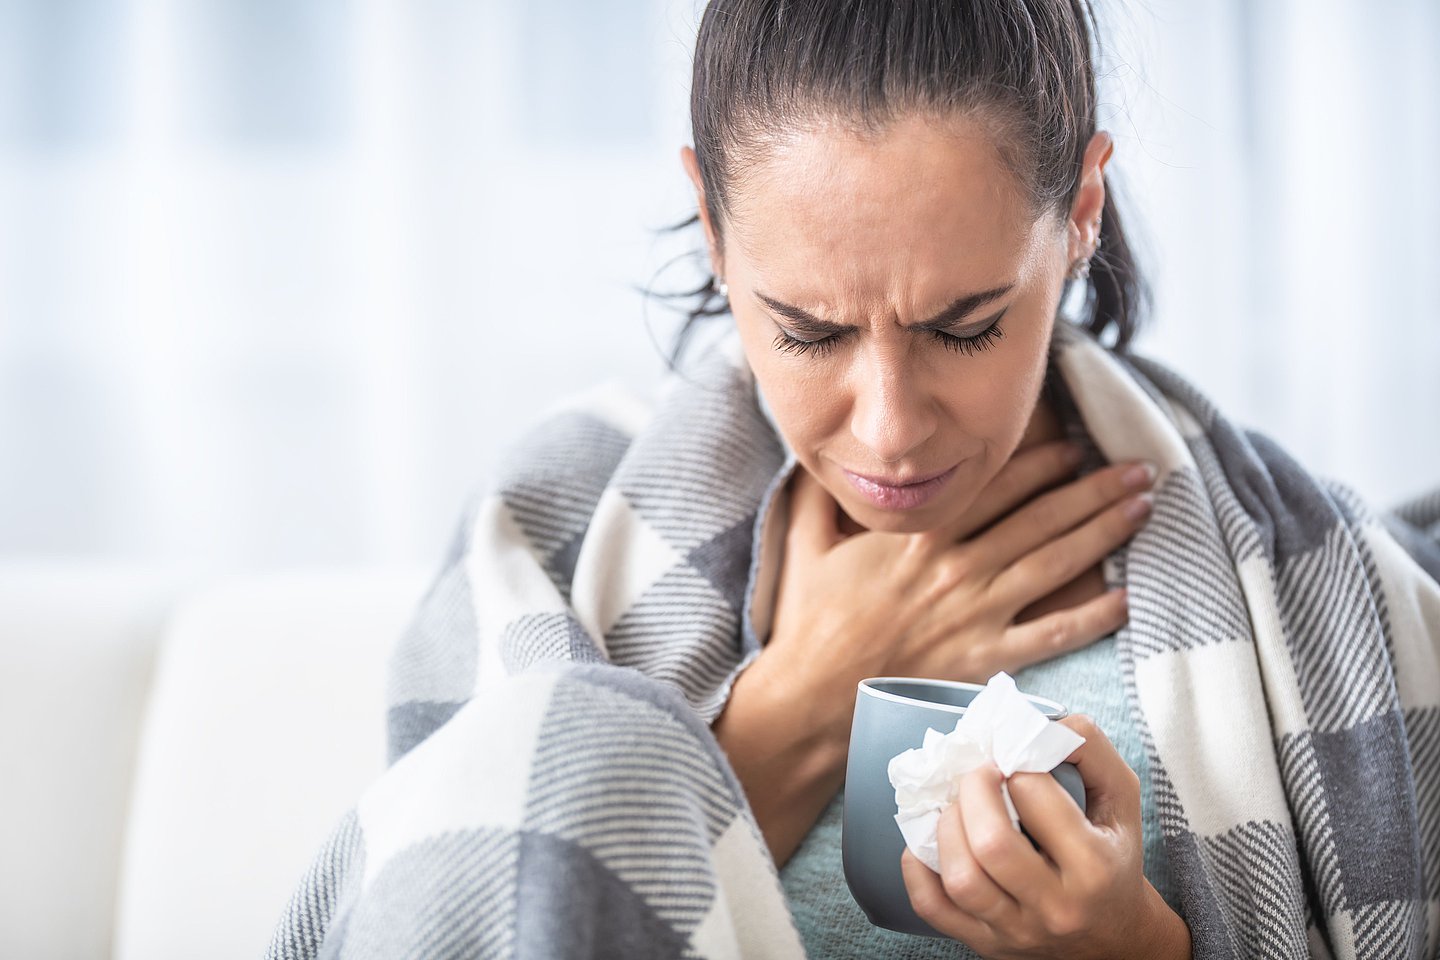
column 554, row 789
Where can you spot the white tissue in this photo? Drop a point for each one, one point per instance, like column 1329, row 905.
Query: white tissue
column 999, row 725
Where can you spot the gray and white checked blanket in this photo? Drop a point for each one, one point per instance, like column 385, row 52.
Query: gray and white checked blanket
column 554, row 789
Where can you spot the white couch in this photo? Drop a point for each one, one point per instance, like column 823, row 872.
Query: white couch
column 173, row 752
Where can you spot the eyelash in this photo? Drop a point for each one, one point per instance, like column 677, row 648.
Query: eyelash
column 967, row 345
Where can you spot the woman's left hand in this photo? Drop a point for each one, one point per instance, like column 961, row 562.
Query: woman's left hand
column 1083, row 894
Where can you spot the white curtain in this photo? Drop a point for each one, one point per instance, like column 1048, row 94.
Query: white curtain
column 279, row 279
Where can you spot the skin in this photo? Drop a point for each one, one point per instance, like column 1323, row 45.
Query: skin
column 881, row 232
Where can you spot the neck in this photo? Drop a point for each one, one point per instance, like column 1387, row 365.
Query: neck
column 1044, row 425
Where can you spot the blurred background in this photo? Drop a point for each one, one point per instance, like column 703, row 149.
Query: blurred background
column 281, row 280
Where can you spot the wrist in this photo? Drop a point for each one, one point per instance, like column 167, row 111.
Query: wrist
column 1165, row 934
column 788, row 755
column 817, row 708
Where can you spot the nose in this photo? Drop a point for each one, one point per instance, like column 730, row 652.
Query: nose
column 893, row 411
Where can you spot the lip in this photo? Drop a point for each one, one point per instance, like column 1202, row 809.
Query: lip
column 898, row 482
column 907, row 496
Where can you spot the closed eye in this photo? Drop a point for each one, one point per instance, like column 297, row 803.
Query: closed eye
column 968, row 345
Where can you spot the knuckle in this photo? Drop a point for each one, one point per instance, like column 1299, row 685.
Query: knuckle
column 1048, row 512
column 954, row 569
column 991, row 845
column 1027, row 940
column 1056, row 635
column 1026, row 784
column 917, row 557
column 1082, row 724
column 1115, row 523
column 1122, row 519
column 1114, row 479
column 923, row 900
column 1055, row 566
column 961, row 883
column 1064, row 920
column 985, row 657
column 917, row 547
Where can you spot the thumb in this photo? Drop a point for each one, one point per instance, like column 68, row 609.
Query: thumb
column 813, row 527
column 1112, row 790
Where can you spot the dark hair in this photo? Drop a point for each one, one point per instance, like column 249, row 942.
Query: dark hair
column 1023, row 67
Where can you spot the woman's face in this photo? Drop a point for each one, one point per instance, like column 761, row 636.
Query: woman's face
column 895, row 299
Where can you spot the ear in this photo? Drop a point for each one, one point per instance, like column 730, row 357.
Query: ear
column 691, row 163
column 1090, row 198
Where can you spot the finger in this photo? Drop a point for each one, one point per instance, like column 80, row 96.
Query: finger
column 966, row 883
column 1066, row 630
column 1026, row 474
column 1053, row 819
column 999, row 848
column 931, row 904
column 1042, row 571
column 813, row 527
column 1112, row 789
column 1048, row 516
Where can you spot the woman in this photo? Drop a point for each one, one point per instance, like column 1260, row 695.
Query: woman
column 857, row 226
column 626, row 700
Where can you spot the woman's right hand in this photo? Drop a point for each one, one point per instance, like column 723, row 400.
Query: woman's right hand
column 947, row 602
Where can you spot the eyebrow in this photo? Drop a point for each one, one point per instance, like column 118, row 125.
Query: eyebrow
column 957, row 310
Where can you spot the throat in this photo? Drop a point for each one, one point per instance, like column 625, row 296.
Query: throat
column 1044, row 425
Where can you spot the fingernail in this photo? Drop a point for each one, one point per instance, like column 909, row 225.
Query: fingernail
column 1140, row 475
column 1139, row 507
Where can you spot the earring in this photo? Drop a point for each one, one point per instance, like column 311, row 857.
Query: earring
column 1080, row 268
column 723, row 288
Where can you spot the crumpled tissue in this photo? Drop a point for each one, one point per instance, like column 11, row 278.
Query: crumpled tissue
column 1000, row 724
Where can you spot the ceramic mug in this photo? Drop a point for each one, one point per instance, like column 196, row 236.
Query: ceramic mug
column 891, row 716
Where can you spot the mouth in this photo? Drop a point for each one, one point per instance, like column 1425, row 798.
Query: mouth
column 890, row 495
column 909, row 481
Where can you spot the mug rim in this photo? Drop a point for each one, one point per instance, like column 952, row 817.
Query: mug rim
column 864, row 687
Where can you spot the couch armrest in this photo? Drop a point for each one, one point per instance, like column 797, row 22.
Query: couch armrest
column 77, row 645
column 266, row 722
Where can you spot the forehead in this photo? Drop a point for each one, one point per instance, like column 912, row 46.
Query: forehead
column 918, row 197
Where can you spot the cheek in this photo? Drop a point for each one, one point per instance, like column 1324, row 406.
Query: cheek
column 993, row 393
column 807, row 407
column 799, row 392
column 992, row 401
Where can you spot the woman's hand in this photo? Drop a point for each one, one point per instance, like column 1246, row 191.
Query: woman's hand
column 948, row 602
column 1082, row 894
column 961, row 602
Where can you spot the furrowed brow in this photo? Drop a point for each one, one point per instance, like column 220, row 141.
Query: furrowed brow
column 958, row 310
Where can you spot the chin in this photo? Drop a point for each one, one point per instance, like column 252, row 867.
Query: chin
column 896, row 521
column 898, row 525
column 950, row 502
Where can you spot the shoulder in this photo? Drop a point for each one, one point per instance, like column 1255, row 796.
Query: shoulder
column 589, row 430
column 571, row 450
column 582, row 431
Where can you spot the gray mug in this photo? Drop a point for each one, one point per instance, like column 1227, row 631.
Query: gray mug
column 891, row 716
